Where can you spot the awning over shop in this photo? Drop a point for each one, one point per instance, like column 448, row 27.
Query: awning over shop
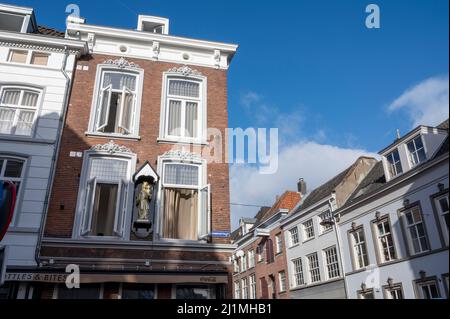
column 150, row 278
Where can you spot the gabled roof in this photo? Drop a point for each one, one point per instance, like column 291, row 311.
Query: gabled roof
column 444, row 125
column 287, row 201
column 373, row 182
column 376, row 179
column 325, row 190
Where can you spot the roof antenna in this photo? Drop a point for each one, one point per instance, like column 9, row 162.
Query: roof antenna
column 398, row 134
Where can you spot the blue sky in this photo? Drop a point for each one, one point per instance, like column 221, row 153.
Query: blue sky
column 310, row 68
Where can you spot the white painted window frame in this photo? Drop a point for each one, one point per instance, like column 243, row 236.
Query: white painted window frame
column 30, row 54
column 406, row 228
column 416, row 150
column 251, row 258
column 202, row 164
column 314, row 270
column 308, row 225
column 96, row 100
column 333, row 268
column 294, row 236
column 202, row 101
column 282, row 281
column 441, row 216
column 394, row 165
column 356, row 247
column 17, row 108
column 131, row 159
column 378, row 238
column 298, row 273
column 252, row 286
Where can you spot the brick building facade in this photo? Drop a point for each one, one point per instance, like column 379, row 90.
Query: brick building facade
column 136, row 203
column 260, row 267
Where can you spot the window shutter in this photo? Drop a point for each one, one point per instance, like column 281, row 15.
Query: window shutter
column 88, row 206
column 126, row 110
column 103, row 108
column 269, row 251
column 121, row 209
column 205, row 213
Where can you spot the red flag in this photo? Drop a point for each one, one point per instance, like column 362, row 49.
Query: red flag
column 7, row 204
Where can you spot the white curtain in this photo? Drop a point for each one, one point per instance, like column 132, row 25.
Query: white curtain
column 10, row 97
column 25, row 123
column 174, row 125
column 29, row 99
column 184, row 88
column 6, row 120
column 191, row 119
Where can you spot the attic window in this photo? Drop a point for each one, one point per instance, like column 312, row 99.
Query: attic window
column 152, row 24
column 395, row 165
column 11, row 22
column 416, row 151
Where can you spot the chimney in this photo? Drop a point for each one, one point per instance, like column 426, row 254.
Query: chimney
column 302, row 188
column 399, row 136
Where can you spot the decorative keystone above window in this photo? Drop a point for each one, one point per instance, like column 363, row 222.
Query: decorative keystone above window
column 122, row 63
column 184, row 156
column 111, row 148
column 185, row 71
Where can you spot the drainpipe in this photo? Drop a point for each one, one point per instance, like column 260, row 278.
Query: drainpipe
column 338, row 240
column 55, row 154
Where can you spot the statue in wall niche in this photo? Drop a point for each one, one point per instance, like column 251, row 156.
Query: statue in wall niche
column 143, row 200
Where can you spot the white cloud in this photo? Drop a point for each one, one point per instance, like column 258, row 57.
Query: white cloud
column 314, row 162
column 426, row 103
column 250, row 98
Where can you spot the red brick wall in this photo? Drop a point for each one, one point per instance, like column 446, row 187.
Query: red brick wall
column 60, row 221
column 264, row 269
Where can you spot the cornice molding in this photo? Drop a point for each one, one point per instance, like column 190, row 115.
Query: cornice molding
column 34, row 47
column 111, row 147
column 122, row 63
column 184, row 156
column 185, row 71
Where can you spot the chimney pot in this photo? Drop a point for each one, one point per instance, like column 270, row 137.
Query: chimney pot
column 302, row 187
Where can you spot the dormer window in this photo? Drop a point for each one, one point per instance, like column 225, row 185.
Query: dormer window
column 416, row 151
column 395, row 165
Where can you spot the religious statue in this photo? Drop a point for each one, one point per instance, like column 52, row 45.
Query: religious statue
column 143, row 202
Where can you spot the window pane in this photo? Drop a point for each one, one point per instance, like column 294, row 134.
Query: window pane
column 179, row 174
column 184, row 88
column 138, row 292
column 39, row 59
column 25, row 123
column 13, row 169
column 119, row 81
column 443, row 203
column 84, row 292
column 30, row 98
column 192, row 292
column 127, row 113
column 191, row 119
column 10, row 97
column 108, row 169
column 174, row 126
column 104, row 211
column 18, row 56
column 6, row 120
